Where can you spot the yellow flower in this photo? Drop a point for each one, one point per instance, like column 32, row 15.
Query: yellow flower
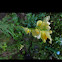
column 36, row 33
column 39, row 22
column 45, row 35
column 42, row 30
column 47, row 27
column 48, row 36
column 48, row 23
column 27, row 30
column 43, row 24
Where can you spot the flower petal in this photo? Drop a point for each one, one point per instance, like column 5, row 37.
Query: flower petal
column 39, row 22
column 48, row 23
column 48, row 36
column 39, row 36
column 27, row 30
column 43, row 35
column 47, row 18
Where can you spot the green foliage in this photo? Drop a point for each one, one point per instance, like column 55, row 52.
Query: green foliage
column 31, row 20
column 9, row 28
column 3, row 46
column 12, row 36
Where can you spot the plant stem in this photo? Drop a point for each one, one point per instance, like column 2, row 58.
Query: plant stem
column 30, row 45
column 51, row 49
column 41, row 42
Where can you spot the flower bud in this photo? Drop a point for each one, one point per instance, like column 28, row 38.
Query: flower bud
column 39, row 23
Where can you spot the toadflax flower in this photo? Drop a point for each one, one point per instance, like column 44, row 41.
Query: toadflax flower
column 39, row 23
column 45, row 35
column 45, row 29
column 42, row 30
column 36, row 33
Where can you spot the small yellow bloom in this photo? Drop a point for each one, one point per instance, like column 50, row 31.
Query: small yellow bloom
column 39, row 22
column 43, row 36
column 27, row 30
column 36, row 33
column 43, row 24
column 42, row 30
column 48, row 27
column 39, row 36
column 48, row 36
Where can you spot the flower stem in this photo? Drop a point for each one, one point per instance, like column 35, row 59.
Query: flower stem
column 41, row 42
